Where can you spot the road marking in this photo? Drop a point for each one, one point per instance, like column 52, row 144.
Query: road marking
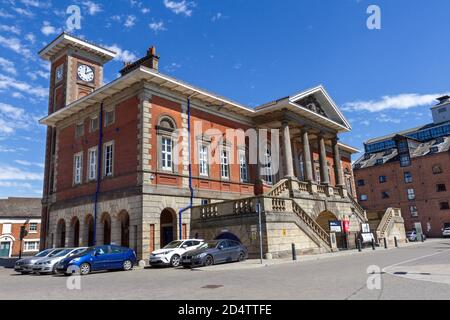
column 415, row 259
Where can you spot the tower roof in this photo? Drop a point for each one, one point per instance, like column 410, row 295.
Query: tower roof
column 65, row 39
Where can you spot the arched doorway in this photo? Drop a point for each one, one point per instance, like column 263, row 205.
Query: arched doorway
column 228, row 236
column 168, row 225
column 61, row 233
column 106, row 221
column 6, row 246
column 323, row 220
column 75, row 224
column 89, row 230
column 124, row 219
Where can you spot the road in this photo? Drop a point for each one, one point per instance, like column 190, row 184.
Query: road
column 419, row 271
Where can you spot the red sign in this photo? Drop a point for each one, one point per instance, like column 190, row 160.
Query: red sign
column 346, row 226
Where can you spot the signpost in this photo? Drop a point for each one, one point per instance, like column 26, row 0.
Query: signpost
column 258, row 209
column 23, row 234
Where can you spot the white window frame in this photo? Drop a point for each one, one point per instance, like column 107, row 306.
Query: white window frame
column 78, row 171
column 166, row 155
column 203, row 160
column 411, row 193
column 243, row 165
column 225, row 163
column 79, row 134
column 416, row 212
column 27, row 242
column 33, row 230
column 91, row 122
column 113, row 112
column 6, row 228
column 106, row 172
column 92, row 166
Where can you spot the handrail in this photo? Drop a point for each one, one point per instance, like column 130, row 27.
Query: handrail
column 316, row 228
column 278, row 188
column 385, row 222
column 359, row 210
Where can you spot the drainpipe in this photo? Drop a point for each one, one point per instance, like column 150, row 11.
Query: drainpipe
column 191, row 190
column 99, row 169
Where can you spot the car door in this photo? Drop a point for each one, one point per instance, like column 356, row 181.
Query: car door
column 100, row 258
column 222, row 252
column 234, row 250
column 117, row 257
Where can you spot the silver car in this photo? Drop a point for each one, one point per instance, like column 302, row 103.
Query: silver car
column 48, row 265
column 25, row 265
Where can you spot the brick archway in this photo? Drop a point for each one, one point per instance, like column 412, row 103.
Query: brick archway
column 124, row 219
column 89, row 230
column 168, row 226
column 75, row 232
column 61, row 233
column 106, row 221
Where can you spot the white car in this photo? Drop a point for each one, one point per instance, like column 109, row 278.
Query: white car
column 446, row 232
column 170, row 255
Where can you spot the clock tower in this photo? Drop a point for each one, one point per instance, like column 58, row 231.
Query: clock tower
column 76, row 71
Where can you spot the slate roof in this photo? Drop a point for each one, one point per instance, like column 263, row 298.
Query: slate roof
column 20, row 207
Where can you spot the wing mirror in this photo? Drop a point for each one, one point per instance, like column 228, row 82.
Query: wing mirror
column 184, row 246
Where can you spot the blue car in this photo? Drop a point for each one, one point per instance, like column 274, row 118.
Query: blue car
column 107, row 257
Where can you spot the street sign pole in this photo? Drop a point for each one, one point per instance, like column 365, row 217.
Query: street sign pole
column 258, row 208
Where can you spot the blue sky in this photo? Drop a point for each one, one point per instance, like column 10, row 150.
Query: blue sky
column 251, row 51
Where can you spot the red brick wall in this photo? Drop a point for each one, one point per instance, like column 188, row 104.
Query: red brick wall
column 124, row 133
column 424, row 183
column 15, row 232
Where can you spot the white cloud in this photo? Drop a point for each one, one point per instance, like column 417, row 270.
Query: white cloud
column 30, row 38
column 29, row 164
column 216, row 17
column 130, row 21
column 14, row 118
column 387, row 119
column 122, row 55
column 14, row 173
column 4, row 14
column 48, row 30
column 11, row 83
column 15, row 45
column 157, row 26
column 37, row 3
column 12, row 29
column 23, row 12
column 400, row 102
column 9, row 184
column 4, row 149
column 92, row 7
column 172, row 67
column 7, row 66
column 180, row 7
column 17, row 95
column 145, row 10
column 36, row 74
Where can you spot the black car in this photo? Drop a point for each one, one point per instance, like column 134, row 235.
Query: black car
column 214, row 252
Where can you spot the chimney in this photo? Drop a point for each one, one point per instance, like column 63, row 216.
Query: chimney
column 150, row 61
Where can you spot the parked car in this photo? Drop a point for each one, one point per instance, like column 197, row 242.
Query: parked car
column 25, row 265
column 48, row 265
column 412, row 236
column 214, row 252
column 107, row 257
column 446, row 232
column 171, row 254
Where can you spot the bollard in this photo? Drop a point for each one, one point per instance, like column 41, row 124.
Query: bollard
column 396, row 242
column 294, row 253
column 421, row 237
column 359, row 245
column 373, row 244
column 385, row 243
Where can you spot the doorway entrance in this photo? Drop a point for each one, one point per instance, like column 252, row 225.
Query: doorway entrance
column 168, row 227
column 5, row 248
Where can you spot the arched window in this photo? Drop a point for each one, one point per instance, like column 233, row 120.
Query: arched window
column 437, row 169
column 165, row 129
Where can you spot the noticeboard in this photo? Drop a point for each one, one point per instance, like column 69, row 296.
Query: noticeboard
column 335, row 226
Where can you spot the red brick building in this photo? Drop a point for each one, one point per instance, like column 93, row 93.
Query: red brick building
column 14, row 214
column 410, row 170
column 111, row 173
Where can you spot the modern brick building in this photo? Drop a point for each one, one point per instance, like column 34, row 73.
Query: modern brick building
column 410, row 170
column 111, row 171
column 14, row 214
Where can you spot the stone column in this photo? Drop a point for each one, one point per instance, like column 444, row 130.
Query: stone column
column 324, row 178
column 307, row 157
column 337, row 163
column 296, row 160
column 288, row 164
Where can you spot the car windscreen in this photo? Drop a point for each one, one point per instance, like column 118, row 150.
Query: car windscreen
column 209, row 245
column 173, row 244
column 62, row 253
column 54, row 253
column 44, row 253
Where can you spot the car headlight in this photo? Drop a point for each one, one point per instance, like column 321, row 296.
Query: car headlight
column 201, row 255
column 74, row 260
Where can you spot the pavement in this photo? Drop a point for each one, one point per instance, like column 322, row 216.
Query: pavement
column 417, row 271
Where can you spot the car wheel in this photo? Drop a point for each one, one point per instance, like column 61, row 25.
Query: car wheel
column 85, row 269
column 209, row 261
column 175, row 260
column 127, row 265
column 241, row 257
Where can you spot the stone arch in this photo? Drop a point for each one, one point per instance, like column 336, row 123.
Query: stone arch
column 167, row 122
column 89, row 226
column 168, row 226
column 323, row 219
column 229, row 236
column 61, row 233
column 106, row 227
column 124, row 219
column 74, row 236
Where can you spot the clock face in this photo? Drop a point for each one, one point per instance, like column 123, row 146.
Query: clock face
column 85, row 73
column 59, row 73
